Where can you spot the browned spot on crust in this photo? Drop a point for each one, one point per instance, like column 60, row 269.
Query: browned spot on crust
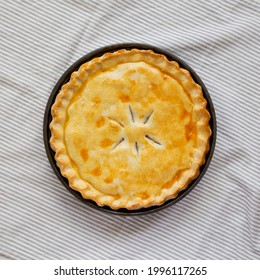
column 96, row 171
column 124, row 98
column 168, row 184
column 143, row 195
column 157, row 92
column 153, row 86
column 108, row 180
column 141, row 70
column 116, row 196
column 106, row 143
column 77, row 141
column 100, row 122
column 164, row 77
column 96, row 99
column 184, row 115
column 190, row 131
column 175, row 178
column 84, row 154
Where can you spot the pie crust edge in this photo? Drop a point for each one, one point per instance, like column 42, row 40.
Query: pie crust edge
column 59, row 117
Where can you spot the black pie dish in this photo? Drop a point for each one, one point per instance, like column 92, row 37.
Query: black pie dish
column 66, row 77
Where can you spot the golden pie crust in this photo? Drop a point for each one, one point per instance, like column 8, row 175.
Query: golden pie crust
column 130, row 129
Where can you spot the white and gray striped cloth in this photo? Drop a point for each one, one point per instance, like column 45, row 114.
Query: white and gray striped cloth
column 40, row 219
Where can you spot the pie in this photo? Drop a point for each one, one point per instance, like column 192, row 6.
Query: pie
column 130, row 129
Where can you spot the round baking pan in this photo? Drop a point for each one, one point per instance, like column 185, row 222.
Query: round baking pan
column 66, row 77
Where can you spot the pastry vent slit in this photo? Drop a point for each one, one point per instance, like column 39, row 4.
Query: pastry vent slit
column 119, row 142
column 152, row 139
column 137, row 148
column 148, row 117
column 132, row 114
column 116, row 122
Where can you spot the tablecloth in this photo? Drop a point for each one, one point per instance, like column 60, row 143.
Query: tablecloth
column 40, row 219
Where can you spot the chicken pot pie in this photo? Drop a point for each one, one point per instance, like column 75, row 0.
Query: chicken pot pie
column 130, row 129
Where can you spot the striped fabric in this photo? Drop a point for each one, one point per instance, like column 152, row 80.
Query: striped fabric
column 40, row 219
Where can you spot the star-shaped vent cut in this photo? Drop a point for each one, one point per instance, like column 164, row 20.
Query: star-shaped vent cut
column 135, row 132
